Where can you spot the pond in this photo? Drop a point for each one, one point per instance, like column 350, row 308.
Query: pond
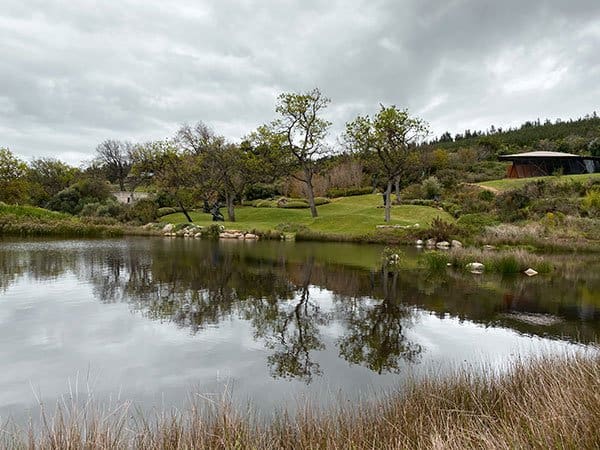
column 272, row 323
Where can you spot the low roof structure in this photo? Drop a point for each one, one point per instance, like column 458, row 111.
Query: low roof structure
column 535, row 164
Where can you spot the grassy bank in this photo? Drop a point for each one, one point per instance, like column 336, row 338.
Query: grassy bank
column 506, row 184
column 547, row 403
column 346, row 218
column 16, row 220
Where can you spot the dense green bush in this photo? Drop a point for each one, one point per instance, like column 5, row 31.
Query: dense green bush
column 260, row 191
column 471, row 224
column 432, row 188
column 143, row 211
column 293, row 204
column 166, row 210
column 591, row 203
column 411, row 192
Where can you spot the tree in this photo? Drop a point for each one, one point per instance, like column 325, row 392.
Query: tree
column 49, row 176
column 160, row 163
column 390, row 139
column 13, row 183
column 116, row 157
column 302, row 132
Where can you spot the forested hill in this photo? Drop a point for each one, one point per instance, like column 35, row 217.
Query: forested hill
column 572, row 135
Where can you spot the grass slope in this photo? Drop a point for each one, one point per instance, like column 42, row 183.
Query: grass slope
column 355, row 216
column 514, row 183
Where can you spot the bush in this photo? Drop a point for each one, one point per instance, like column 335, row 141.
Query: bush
column 143, row 211
column 260, row 191
column 432, row 188
column 471, row 224
column 441, row 230
column 487, row 196
column 435, row 261
column 591, row 203
column 348, row 192
column 321, row 201
column 293, row 204
column 411, row 192
column 165, row 211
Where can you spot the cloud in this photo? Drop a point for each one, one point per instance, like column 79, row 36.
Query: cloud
column 75, row 73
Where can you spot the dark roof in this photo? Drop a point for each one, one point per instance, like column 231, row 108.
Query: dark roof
column 545, row 155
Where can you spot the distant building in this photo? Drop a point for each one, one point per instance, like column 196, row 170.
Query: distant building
column 539, row 164
column 130, row 197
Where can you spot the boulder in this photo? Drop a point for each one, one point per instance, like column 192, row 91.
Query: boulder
column 430, row 242
column 475, row 267
column 443, row 245
column 250, row 236
column 198, row 235
column 168, row 228
column 419, row 242
column 456, row 244
column 530, row 272
column 489, row 247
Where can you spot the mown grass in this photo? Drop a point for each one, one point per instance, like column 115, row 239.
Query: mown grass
column 543, row 403
column 514, row 183
column 349, row 217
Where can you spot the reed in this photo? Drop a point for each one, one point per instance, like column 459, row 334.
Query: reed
column 549, row 402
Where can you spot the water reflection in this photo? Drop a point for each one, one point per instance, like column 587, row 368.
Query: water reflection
column 275, row 287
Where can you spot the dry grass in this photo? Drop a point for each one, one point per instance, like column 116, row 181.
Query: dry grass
column 547, row 403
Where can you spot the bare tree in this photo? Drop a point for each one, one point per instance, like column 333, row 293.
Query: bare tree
column 116, row 158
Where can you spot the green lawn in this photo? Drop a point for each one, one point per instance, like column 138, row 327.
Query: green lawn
column 31, row 212
column 513, row 183
column 355, row 216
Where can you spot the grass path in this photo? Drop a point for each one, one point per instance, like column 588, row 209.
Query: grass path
column 358, row 215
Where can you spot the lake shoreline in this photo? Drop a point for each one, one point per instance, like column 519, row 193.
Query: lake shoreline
column 548, row 402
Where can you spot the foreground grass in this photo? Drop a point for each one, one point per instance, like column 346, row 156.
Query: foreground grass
column 547, row 403
column 514, row 183
column 350, row 216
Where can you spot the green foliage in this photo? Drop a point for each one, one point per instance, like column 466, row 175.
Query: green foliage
column 591, row 203
column 473, row 224
column 432, row 188
column 594, row 147
column 260, row 191
column 212, row 231
column 13, row 182
column 441, row 230
column 486, row 196
column 347, row 192
column 166, row 210
column 435, row 261
column 143, row 211
column 293, row 204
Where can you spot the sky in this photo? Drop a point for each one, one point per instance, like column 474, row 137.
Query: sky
column 73, row 74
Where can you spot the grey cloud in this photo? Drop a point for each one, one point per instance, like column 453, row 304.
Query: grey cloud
column 73, row 74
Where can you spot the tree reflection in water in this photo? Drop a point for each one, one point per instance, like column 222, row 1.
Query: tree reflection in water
column 374, row 328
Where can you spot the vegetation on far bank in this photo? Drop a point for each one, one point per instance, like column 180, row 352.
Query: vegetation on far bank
column 551, row 402
column 505, row 184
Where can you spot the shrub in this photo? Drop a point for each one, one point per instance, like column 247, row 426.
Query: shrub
column 432, row 187
column 413, row 191
column 260, row 191
column 591, row 203
column 293, row 204
column 487, row 196
column 441, row 230
column 143, row 211
column 475, row 223
column 321, row 201
column 348, row 192
column 165, row 211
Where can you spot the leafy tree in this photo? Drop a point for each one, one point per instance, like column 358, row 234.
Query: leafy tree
column 13, row 182
column 594, row 147
column 301, row 132
column 390, row 140
column 47, row 177
column 116, row 158
column 160, row 163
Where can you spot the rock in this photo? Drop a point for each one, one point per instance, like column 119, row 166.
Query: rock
column 419, row 242
column 530, row 272
column 489, row 247
column 198, row 235
column 448, row 264
column 226, row 235
column 168, row 228
column 250, row 236
column 430, row 242
column 456, row 244
column 475, row 267
column 443, row 245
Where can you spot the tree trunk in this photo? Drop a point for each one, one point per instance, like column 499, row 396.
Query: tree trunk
column 388, row 201
column 230, row 208
column 398, row 190
column 184, row 211
column 311, row 194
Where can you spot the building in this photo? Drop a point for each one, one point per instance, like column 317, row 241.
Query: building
column 130, row 197
column 539, row 164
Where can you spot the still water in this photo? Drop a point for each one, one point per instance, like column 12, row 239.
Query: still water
column 153, row 320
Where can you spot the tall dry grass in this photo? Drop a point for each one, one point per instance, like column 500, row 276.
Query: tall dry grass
column 547, row 403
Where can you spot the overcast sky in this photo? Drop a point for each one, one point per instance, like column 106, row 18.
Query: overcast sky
column 75, row 73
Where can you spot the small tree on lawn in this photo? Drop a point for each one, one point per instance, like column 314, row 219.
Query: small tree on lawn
column 390, row 140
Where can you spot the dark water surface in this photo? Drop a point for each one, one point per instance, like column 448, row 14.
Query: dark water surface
column 152, row 320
